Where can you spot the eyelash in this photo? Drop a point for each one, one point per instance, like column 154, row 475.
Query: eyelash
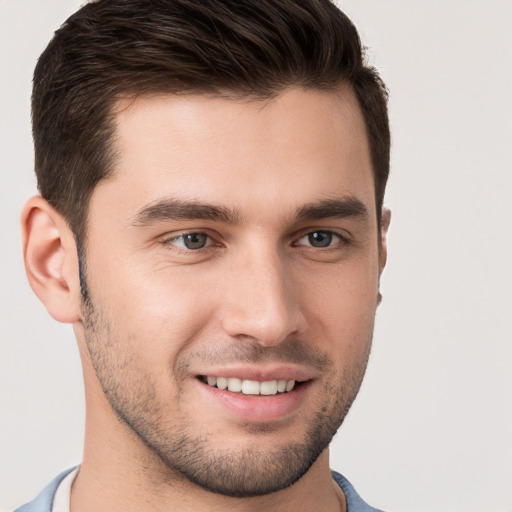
column 330, row 234
column 210, row 241
column 182, row 237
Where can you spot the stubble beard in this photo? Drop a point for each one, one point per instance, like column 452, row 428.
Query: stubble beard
column 186, row 454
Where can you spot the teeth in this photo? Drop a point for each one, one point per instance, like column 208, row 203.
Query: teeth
column 268, row 387
column 222, row 382
column 251, row 387
column 281, row 386
column 234, row 385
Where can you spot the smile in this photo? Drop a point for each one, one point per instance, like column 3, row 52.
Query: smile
column 250, row 387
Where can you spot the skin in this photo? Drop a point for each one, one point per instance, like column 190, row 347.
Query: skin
column 257, row 299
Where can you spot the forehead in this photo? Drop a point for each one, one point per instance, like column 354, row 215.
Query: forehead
column 299, row 146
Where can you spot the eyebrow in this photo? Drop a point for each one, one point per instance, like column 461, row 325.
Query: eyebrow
column 333, row 208
column 175, row 209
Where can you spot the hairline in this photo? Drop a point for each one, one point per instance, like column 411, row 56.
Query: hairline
column 126, row 99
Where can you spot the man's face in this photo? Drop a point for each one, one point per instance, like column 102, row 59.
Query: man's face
column 236, row 244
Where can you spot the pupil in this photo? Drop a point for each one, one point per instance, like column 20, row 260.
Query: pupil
column 320, row 239
column 194, row 240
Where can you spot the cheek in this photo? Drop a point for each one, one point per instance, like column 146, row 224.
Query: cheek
column 340, row 308
column 151, row 308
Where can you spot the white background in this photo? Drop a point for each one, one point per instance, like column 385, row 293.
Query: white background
column 432, row 427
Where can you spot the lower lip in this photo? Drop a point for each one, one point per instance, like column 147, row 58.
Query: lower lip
column 258, row 408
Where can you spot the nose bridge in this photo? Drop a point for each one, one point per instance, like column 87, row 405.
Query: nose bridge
column 262, row 302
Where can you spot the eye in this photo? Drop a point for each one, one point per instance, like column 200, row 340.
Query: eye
column 191, row 241
column 320, row 239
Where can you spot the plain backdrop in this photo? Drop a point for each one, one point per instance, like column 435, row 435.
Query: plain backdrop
column 432, row 427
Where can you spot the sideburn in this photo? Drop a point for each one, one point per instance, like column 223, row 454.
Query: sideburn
column 84, row 290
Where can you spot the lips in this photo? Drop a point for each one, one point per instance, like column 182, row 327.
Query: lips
column 255, row 393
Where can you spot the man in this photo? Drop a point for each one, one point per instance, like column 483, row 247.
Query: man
column 211, row 222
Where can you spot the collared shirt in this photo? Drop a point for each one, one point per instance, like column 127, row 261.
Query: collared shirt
column 62, row 498
column 53, row 495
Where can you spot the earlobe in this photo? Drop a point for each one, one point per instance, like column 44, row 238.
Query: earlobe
column 49, row 253
column 384, row 226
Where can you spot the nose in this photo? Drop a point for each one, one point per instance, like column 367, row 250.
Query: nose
column 262, row 300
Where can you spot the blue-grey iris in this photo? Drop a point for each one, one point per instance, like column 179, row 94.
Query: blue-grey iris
column 320, row 239
column 195, row 240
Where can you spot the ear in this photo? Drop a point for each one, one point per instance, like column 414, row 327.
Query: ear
column 51, row 262
column 384, row 226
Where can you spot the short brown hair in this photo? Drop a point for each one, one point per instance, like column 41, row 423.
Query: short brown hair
column 246, row 48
